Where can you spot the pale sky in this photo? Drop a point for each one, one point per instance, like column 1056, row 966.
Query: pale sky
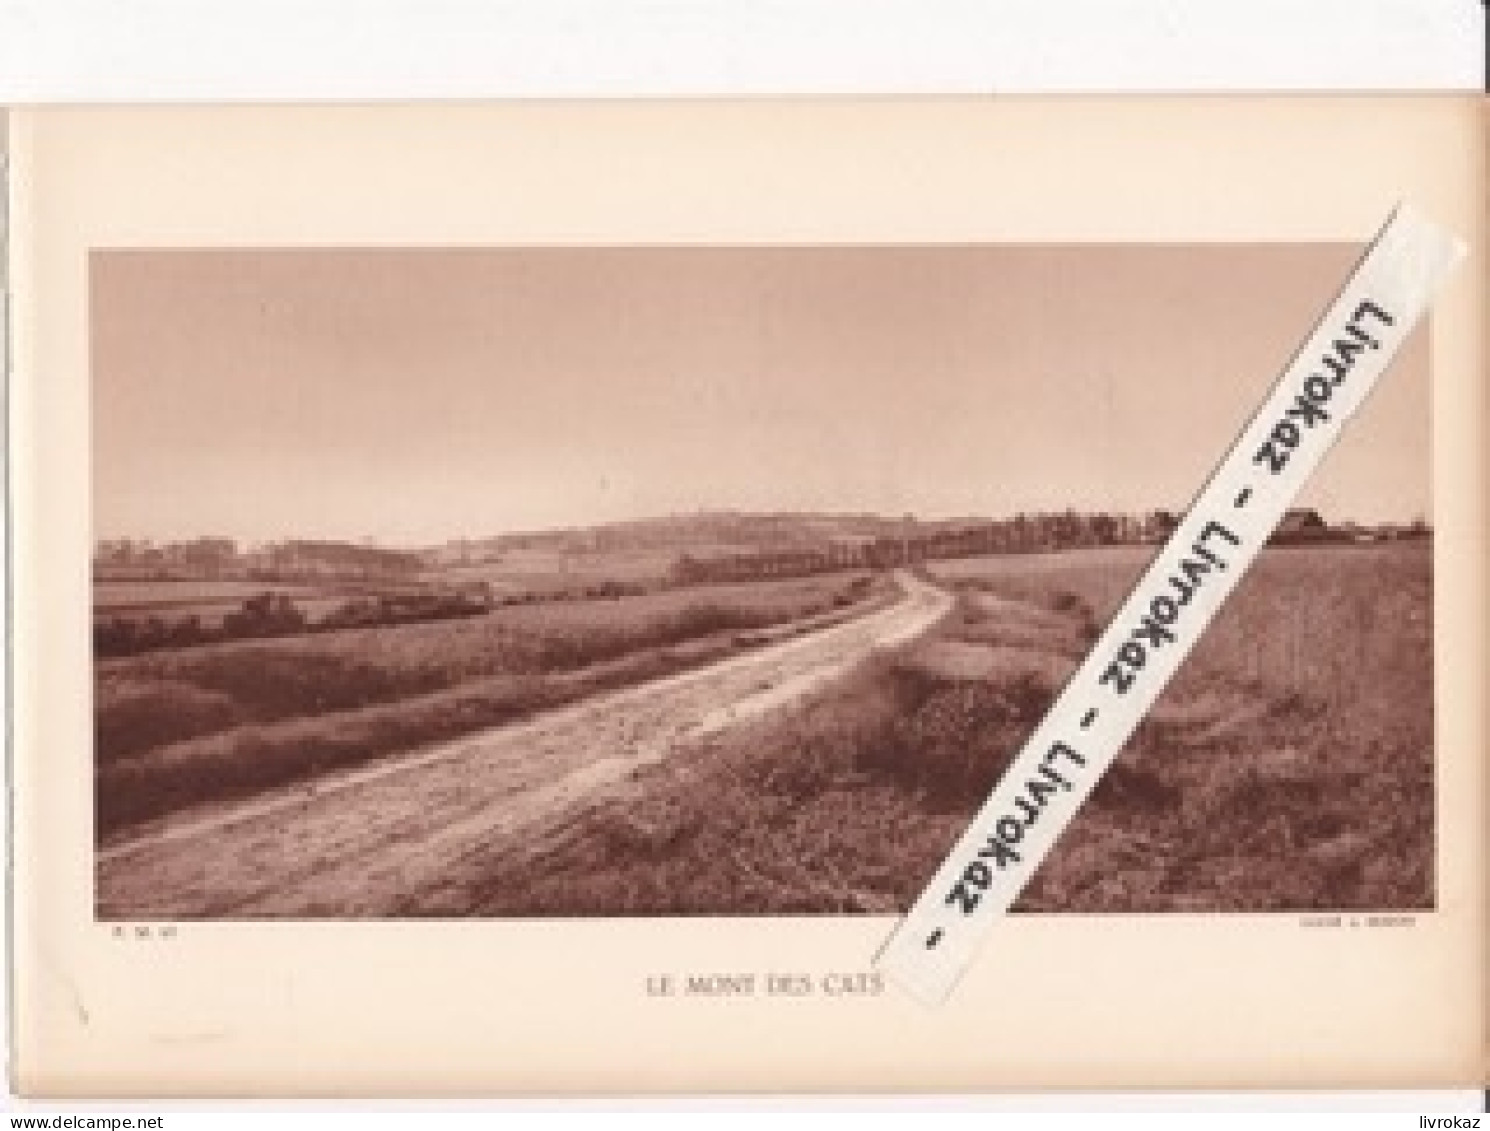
column 424, row 394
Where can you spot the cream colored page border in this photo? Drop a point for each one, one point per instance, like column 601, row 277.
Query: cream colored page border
column 482, row 1007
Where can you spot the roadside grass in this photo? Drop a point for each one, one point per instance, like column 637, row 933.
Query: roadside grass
column 1288, row 768
column 181, row 728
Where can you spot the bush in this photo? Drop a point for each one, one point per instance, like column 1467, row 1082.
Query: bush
column 267, row 614
column 955, row 743
column 1070, row 605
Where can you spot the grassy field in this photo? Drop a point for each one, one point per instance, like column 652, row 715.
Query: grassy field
column 548, row 571
column 181, row 727
column 1289, row 767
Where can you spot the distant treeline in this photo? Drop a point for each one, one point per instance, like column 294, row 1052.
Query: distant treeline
column 1040, row 533
column 298, row 559
column 1021, row 534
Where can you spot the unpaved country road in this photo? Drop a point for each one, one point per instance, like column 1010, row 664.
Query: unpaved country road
column 389, row 839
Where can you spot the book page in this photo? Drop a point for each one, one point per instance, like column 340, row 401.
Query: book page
column 521, row 599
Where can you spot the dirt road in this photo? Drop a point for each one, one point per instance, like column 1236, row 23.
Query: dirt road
column 390, row 839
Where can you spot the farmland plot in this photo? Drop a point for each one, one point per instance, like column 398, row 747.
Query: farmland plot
column 188, row 726
column 414, row 834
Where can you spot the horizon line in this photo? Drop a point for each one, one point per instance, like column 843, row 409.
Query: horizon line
column 395, row 543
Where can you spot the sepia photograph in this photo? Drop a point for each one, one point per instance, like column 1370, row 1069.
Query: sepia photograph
column 630, row 581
